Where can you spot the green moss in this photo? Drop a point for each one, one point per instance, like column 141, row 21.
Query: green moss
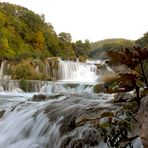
column 24, row 85
column 99, row 88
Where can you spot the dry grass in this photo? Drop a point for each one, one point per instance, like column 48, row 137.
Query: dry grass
column 110, row 77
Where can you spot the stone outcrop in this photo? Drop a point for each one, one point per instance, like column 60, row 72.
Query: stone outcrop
column 143, row 121
column 1, row 113
column 53, row 67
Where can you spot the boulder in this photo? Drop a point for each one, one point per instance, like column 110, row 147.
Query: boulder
column 44, row 97
column 39, row 97
column 1, row 113
column 143, row 120
column 90, row 138
column 123, row 97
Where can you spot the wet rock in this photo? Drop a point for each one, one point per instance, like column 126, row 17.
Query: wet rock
column 53, row 67
column 43, row 97
column 143, row 120
column 65, row 141
column 90, row 138
column 86, row 117
column 1, row 113
column 76, row 143
column 99, row 88
column 40, row 97
column 122, row 97
column 69, row 121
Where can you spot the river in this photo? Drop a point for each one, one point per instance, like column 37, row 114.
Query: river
column 52, row 116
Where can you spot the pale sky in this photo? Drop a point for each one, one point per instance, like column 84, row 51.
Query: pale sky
column 93, row 19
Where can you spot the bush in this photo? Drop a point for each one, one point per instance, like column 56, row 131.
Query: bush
column 24, row 70
column 24, row 85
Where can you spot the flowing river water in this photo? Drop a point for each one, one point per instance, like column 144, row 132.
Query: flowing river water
column 55, row 121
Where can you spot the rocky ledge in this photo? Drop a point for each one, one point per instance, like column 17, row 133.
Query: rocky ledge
column 143, row 121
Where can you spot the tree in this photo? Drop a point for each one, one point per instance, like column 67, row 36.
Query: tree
column 65, row 37
column 143, row 41
column 82, row 49
column 131, row 58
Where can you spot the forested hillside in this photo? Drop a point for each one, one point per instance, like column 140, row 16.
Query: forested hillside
column 24, row 34
column 100, row 48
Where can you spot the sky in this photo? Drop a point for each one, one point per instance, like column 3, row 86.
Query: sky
column 93, row 19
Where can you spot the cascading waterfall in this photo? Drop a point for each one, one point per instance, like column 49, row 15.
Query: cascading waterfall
column 63, row 87
column 77, row 71
column 54, row 119
column 42, row 124
column 28, row 127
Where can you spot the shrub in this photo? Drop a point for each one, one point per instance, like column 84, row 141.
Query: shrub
column 24, row 70
column 24, row 85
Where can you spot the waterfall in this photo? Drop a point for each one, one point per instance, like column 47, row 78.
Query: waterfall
column 49, row 124
column 64, row 87
column 77, row 71
column 43, row 124
column 56, row 114
column 28, row 127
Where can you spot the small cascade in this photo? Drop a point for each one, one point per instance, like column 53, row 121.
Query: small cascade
column 9, row 85
column 63, row 87
column 77, row 71
column 28, row 127
column 45, row 124
column 14, row 85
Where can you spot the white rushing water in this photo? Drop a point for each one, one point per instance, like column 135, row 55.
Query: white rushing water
column 28, row 123
column 27, row 127
column 77, row 71
column 67, row 87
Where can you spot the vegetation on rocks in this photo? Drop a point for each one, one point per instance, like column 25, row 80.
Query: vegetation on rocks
column 116, row 130
column 25, row 70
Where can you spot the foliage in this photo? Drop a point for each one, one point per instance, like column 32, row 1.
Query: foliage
column 131, row 58
column 99, row 49
column 24, row 34
column 24, row 84
column 115, row 130
column 82, row 49
column 143, row 41
column 24, row 70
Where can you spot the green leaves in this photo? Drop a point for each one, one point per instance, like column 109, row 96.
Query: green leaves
column 25, row 34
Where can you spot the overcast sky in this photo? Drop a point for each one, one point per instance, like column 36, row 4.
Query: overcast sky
column 93, row 19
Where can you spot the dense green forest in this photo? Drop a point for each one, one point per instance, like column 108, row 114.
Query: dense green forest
column 24, row 34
